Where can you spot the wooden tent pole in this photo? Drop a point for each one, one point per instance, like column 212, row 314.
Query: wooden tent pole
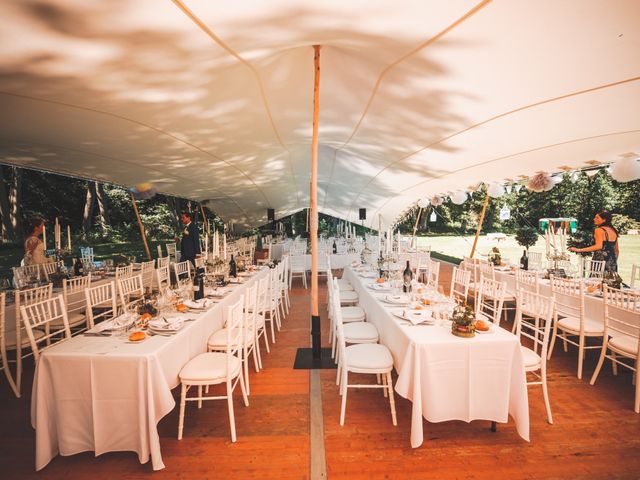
column 480, row 221
column 204, row 218
column 142, row 234
column 415, row 229
column 313, row 216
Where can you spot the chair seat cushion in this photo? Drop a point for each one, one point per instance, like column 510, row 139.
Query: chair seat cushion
column 573, row 324
column 368, row 356
column 357, row 332
column 218, row 339
column 75, row 318
column 531, row 359
column 345, row 287
column 624, row 343
column 11, row 340
column 348, row 296
column 353, row 314
column 210, row 366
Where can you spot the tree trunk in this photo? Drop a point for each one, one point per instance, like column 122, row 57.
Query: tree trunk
column 102, row 207
column 7, row 228
column 89, row 204
column 15, row 198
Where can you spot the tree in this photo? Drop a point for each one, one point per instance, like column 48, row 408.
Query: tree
column 102, row 207
column 7, row 228
column 87, row 217
column 527, row 237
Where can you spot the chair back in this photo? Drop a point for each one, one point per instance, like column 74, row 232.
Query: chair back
column 26, row 274
column 124, row 272
column 592, row 268
column 73, row 292
column 621, row 311
column 49, row 269
column 147, row 271
column 527, row 280
column 182, row 270
column 234, row 326
column 131, row 290
column 433, row 277
column 40, row 316
column 163, row 261
column 103, row 299
column 535, row 259
column 569, row 297
column 491, row 298
column 487, row 270
column 298, row 263
column 171, row 249
column 251, row 312
column 30, row 296
column 163, row 278
column 540, row 308
column 460, row 280
column 263, row 294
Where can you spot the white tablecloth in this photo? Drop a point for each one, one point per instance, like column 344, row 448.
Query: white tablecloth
column 338, row 260
column 104, row 394
column 447, row 377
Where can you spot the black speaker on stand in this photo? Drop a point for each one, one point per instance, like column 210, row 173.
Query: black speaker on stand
column 363, row 214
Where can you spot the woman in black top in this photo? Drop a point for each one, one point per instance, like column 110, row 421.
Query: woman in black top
column 605, row 238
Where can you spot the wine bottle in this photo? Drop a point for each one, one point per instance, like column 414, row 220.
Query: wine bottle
column 407, row 276
column 233, row 269
column 335, row 247
column 524, row 261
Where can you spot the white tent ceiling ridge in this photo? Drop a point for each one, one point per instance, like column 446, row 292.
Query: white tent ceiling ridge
column 147, row 126
column 209, row 32
column 429, row 41
column 485, row 122
column 557, row 170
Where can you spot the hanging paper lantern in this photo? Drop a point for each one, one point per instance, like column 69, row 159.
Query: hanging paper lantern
column 626, row 169
column 592, row 173
column 554, row 181
column 575, row 176
column 459, row 197
column 143, row 191
column 433, row 217
column 423, row 202
column 505, row 213
column 436, row 201
column 540, row 182
column 517, row 187
column 495, row 190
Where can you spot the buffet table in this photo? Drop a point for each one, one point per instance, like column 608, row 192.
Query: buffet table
column 447, row 377
column 105, row 394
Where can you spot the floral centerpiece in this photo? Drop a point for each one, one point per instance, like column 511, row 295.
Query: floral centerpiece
column 464, row 320
column 495, row 257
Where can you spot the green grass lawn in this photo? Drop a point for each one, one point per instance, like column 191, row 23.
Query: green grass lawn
column 456, row 246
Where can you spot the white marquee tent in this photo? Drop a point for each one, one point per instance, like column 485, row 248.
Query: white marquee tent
column 213, row 100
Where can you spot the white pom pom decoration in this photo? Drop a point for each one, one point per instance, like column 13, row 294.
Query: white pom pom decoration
column 423, row 202
column 540, row 182
column 626, row 169
column 436, row 201
column 459, row 197
column 495, row 190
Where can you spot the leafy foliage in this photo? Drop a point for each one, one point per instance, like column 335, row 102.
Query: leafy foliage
column 527, row 236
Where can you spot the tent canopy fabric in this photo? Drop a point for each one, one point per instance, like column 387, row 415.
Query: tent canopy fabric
column 213, row 100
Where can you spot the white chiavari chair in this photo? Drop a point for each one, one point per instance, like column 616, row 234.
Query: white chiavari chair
column 635, row 276
column 131, row 290
column 275, row 299
column 570, row 319
column 298, row 268
column 49, row 269
column 540, row 308
column 217, row 341
column 101, row 302
column 460, row 280
column 535, row 260
column 367, row 358
column 75, row 302
column 42, row 317
column 17, row 339
column 284, row 286
column 182, row 271
column 261, row 306
column 214, row 368
column 433, row 277
column 490, row 299
column 471, row 265
column 163, row 278
column 124, row 272
column 147, row 270
column 525, row 280
column 590, row 268
column 23, row 276
column 621, row 334
column 4, row 347
column 163, row 261
column 171, row 251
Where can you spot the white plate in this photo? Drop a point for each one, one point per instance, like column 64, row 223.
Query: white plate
column 480, row 332
column 396, row 299
column 380, row 287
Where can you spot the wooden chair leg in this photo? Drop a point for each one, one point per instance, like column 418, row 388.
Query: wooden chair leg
column 392, row 400
column 183, row 396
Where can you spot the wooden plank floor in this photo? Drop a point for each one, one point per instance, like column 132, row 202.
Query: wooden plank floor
column 596, row 434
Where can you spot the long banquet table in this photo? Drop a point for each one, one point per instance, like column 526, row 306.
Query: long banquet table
column 447, row 377
column 104, row 394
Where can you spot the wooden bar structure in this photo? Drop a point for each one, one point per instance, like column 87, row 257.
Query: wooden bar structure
column 142, row 232
column 480, row 221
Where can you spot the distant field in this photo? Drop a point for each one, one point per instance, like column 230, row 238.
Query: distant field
column 461, row 246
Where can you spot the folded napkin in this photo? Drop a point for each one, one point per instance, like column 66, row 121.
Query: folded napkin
column 417, row 316
column 219, row 292
column 166, row 323
column 117, row 323
column 199, row 304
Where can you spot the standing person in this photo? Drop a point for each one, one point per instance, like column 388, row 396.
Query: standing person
column 605, row 238
column 190, row 242
column 33, row 247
